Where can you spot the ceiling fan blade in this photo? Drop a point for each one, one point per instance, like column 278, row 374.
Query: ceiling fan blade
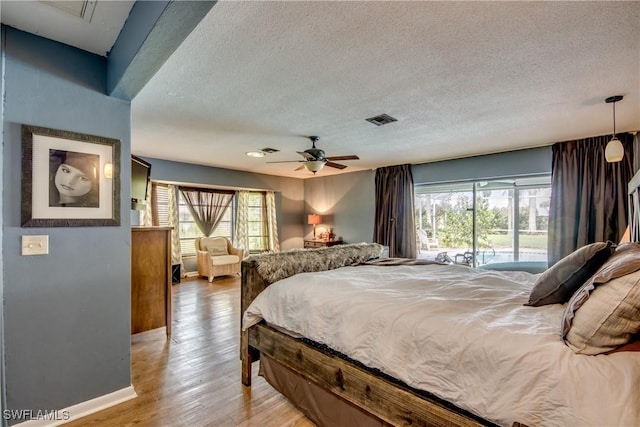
column 306, row 155
column 349, row 157
column 289, row 161
column 335, row 165
column 299, row 168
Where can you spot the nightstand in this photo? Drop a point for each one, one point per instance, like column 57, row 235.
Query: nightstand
column 321, row 243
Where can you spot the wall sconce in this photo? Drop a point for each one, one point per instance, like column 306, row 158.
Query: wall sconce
column 314, row 219
column 614, row 152
column 108, row 170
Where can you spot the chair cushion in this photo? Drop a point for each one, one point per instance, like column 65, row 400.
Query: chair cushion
column 225, row 259
column 215, row 246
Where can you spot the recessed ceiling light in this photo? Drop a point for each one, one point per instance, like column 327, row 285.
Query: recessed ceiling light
column 255, row 154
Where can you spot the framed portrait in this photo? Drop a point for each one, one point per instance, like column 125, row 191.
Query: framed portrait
column 69, row 179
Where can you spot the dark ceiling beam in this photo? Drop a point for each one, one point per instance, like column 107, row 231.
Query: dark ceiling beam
column 152, row 32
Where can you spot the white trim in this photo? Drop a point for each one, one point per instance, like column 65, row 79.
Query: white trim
column 83, row 409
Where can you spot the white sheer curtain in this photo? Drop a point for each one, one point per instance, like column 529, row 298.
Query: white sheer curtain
column 176, row 253
column 241, row 238
column 273, row 243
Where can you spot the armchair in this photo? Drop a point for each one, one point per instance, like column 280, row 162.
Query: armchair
column 217, row 257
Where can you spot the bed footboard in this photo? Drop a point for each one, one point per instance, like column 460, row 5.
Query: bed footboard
column 388, row 400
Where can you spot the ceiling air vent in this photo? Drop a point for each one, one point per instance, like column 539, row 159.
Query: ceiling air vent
column 269, row 150
column 82, row 9
column 382, row 119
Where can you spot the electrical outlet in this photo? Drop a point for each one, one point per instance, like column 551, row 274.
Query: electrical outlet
column 35, row 245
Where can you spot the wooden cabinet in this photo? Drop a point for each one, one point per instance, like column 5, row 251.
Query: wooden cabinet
column 150, row 278
column 321, row 243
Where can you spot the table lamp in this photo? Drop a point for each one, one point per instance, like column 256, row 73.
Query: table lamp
column 314, row 219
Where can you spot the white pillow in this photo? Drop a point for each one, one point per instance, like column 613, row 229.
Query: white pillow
column 602, row 316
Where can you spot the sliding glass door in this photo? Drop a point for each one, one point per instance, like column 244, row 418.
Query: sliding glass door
column 483, row 222
column 444, row 218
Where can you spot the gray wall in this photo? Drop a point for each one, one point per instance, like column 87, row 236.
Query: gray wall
column 2, row 359
column 66, row 314
column 289, row 191
column 534, row 161
column 346, row 203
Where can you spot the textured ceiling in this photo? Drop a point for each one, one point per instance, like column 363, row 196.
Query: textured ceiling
column 462, row 78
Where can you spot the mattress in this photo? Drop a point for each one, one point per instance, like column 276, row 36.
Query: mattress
column 463, row 335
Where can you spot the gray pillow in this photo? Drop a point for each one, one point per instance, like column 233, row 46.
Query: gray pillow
column 558, row 283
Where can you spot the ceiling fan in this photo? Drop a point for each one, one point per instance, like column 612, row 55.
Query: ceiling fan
column 315, row 159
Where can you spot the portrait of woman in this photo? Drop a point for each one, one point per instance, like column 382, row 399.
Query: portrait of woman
column 73, row 179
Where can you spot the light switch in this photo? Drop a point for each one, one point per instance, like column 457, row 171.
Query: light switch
column 35, row 245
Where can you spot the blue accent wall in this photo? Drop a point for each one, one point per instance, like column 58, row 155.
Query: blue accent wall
column 2, row 380
column 66, row 314
column 154, row 29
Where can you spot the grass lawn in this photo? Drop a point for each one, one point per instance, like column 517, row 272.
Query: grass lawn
column 532, row 241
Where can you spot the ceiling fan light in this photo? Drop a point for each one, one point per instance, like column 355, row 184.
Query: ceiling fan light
column 314, row 165
column 614, row 152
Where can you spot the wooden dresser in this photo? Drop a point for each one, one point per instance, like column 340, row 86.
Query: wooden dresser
column 150, row 278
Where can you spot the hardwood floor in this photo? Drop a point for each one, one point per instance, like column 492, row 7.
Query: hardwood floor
column 193, row 378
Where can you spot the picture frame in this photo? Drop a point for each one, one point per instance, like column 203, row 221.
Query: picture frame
column 69, row 179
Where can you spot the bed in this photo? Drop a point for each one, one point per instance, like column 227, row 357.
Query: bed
column 352, row 340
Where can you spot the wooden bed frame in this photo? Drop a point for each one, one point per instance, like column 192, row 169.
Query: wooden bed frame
column 390, row 401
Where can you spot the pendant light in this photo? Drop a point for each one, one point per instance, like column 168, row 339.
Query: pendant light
column 614, row 152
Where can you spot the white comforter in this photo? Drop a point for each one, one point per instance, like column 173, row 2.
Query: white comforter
column 461, row 334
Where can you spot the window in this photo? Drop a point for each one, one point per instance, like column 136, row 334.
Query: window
column 485, row 221
column 257, row 215
column 160, row 204
column 257, row 229
column 189, row 230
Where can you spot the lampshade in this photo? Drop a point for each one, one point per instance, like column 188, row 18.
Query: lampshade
column 314, row 219
column 614, row 152
column 314, row 165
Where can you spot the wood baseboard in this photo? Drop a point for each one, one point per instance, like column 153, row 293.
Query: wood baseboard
column 75, row 412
